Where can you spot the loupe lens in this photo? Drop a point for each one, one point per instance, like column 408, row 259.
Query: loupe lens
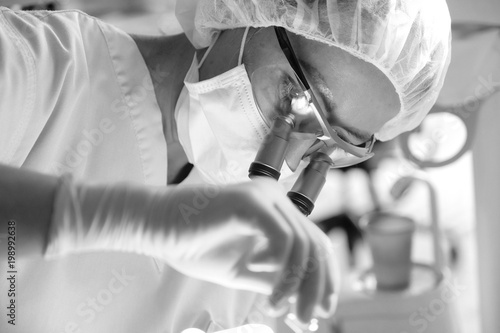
column 277, row 93
column 271, row 154
column 306, row 189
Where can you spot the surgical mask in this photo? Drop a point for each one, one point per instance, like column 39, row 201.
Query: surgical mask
column 219, row 125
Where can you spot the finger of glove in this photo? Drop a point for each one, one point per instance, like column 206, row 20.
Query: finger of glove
column 269, row 184
column 272, row 255
column 328, row 304
column 311, row 289
column 292, row 276
column 259, row 282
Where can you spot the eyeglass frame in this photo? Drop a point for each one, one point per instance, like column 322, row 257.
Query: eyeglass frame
column 328, row 131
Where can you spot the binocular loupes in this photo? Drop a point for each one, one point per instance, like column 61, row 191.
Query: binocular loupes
column 271, row 156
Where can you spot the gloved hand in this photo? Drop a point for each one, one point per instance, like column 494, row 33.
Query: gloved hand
column 247, row 236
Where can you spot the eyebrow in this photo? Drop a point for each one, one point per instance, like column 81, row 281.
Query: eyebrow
column 319, row 80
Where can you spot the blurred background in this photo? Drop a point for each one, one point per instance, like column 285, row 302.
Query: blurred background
column 455, row 151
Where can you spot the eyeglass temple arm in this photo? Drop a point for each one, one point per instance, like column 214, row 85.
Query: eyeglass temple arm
column 290, row 55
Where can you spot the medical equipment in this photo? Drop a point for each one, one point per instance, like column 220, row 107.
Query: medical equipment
column 270, row 158
column 448, row 132
column 427, row 304
column 444, row 136
column 271, row 154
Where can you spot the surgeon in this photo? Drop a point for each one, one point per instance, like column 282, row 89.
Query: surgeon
column 124, row 180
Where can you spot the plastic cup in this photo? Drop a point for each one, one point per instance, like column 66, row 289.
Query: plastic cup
column 390, row 239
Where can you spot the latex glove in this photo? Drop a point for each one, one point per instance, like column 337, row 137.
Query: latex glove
column 247, row 236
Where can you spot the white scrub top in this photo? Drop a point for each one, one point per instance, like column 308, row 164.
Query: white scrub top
column 77, row 97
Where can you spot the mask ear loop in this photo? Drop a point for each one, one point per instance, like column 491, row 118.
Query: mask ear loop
column 208, row 50
column 242, row 46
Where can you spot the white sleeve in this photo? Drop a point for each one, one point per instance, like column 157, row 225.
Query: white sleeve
column 42, row 64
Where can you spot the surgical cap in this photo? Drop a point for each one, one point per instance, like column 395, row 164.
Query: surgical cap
column 408, row 40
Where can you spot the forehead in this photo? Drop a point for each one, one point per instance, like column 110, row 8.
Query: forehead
column 363, row 96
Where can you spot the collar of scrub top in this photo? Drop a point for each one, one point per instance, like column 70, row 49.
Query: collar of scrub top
column 330, row 138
